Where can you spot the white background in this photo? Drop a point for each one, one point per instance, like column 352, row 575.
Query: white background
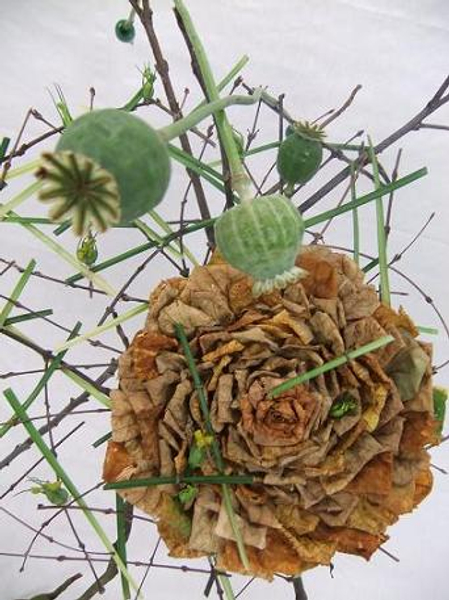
column 315, row 51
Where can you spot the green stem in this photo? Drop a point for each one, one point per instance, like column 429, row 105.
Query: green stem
column 329, row 366
column 229, row 78
column 381, row 237
column 156, row 239
column 171, row 479
column 19, row 198
column 179, row 127
column 239, row 178
column 427, row 330
column 68, row 483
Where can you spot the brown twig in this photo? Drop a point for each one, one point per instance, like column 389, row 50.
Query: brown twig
column 145, row 14
column 336, row 113
column 74, row 403
column 436, row 102
column 111, row 570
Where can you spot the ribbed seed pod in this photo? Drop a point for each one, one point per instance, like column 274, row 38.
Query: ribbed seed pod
column 262, row 238
column 123, row 147
column 300, row 154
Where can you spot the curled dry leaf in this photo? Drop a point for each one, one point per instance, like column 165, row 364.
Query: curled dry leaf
column 335, row 460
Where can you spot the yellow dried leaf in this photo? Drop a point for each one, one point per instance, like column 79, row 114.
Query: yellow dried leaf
column 298, row 520
column 371, row 415
column 218, row 369
column 224, row 350
column 370, row 518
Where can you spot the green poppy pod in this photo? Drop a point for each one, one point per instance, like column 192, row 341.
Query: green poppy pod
column 262, row 238
column 109, row 168
column 300, row 154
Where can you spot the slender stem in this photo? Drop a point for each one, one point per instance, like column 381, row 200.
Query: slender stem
column 381, row 237
column 329, row 366
column 229, row 77
column 68, row 483
column 239, row 178
column 181, row 126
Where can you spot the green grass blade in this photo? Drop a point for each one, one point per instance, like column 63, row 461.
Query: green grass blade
column 28, row 317
column 226, row 585
column 216, row 453
column 120, row 506
column 427, row 330
column 381, row 237
column 104, row 438
column 22, row 170
column 4, row 147
column 130, row 314
column 355, row 218
column 87, row 387
column 374, row 195
column 174, row 479
column 68, row 483
column 19, row 199
column 329, row 366
column 15, row 294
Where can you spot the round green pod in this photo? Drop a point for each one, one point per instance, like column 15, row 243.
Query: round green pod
column 125, row 31
column 108, row 167
column 262, row 238
column 299, row 158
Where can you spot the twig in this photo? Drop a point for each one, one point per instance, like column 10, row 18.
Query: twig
column 298, row 586
column 145, row 14
column 335, row 114
column 434, row 104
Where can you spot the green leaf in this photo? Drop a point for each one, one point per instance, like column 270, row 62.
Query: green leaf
column 407, row 370
column 439, row 406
